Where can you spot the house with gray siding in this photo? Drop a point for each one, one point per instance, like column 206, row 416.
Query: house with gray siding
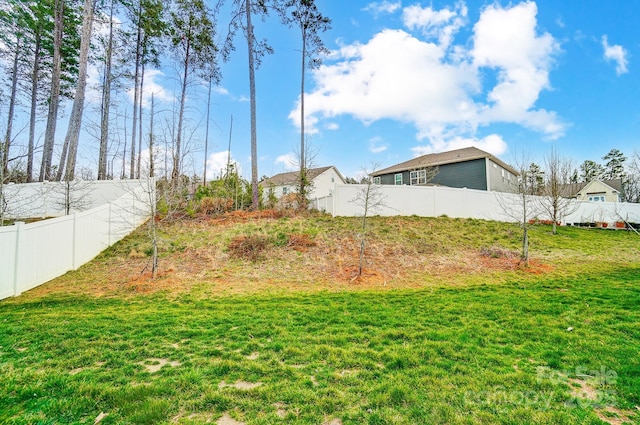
column 469, row 168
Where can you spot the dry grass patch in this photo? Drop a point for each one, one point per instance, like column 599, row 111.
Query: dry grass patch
column 154, row 365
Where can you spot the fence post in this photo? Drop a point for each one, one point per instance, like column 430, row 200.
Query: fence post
column 18, row 264
column 74, row 243
column 109, row 227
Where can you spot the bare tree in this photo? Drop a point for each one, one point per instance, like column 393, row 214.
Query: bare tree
column 556, row 198
column 521, row 207
column 369, row 199
column 192, row 34
column 631, row 182
column 73, row 195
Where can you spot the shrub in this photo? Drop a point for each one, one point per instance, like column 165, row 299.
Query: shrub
column 249, row 247
column 216, row 206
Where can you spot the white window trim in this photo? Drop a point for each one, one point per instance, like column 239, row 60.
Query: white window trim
column 418, row 177
column 395, row 179
column 376, row 180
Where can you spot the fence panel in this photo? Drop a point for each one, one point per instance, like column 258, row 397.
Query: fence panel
column 434, row 201
column 45, row 251
column 8, row 239
column 32, row 254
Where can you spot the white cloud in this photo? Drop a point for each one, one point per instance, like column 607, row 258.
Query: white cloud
column 377, row 145
column 289, row 161
column 332, row 126
column 221, row 90
column 436, row 86
column 217, row 164
column 439, row 24
column 377, row 8
column 152, row 87
column 617, row 54
column 494, row 144
column 505, row 40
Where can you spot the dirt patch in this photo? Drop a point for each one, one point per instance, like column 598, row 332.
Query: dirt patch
column 614, row 416
column 588, row 391
column 253, row 356
column 240, row 385
column 154, row 365
column 228, row 420
column 583, row 390
column 280, row 410
column 334, row 421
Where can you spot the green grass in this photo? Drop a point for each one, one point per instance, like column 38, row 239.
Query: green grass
column 474, row 353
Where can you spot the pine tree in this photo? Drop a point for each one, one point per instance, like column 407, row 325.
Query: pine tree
column 305, row 15
column 192, row 34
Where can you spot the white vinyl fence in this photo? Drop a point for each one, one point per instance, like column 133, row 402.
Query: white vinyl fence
column 32, row 254
column 433, row 201
column 50, row 199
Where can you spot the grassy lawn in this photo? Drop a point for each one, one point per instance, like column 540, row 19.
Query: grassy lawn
column 445, row 328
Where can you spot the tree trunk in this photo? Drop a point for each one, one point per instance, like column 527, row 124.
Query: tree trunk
column 106, row 103
column 54, row 97
column 35, row 77
column 12, row 104
column 175, row 173
column 525, row 232
column 75, row 119
column 303, row 165
column 140, row 121
column 255, row 202
column 136, row 93
column 151, row 161
column 206, row 135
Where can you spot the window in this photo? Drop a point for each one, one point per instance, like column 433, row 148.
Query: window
column 596, row 198
column 285, row 189
column 376, row 180
column 398, row 178
column 418, row 177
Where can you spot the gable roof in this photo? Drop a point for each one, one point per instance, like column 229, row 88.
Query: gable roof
column 573, row 189
column 442, row 158
column 292, row 177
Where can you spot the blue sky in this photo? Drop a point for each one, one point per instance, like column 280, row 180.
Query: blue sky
column 407, row 78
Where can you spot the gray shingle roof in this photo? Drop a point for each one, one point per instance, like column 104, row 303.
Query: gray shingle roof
column 293, row 176
column 572, row 189
column 450, row 157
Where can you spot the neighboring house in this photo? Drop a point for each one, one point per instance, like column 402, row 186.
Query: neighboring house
column 323, row 181
column 469, row 167
column 596, row 191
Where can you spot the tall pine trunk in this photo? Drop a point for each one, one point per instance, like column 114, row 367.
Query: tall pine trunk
column 54, row 96
column 255, row 202
column 302, row 192
column 106, row 103
column 136, row 94
column 140, row 121
column 75, row 119
column 12, row 104
column 175, row 174
column 35, row 78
